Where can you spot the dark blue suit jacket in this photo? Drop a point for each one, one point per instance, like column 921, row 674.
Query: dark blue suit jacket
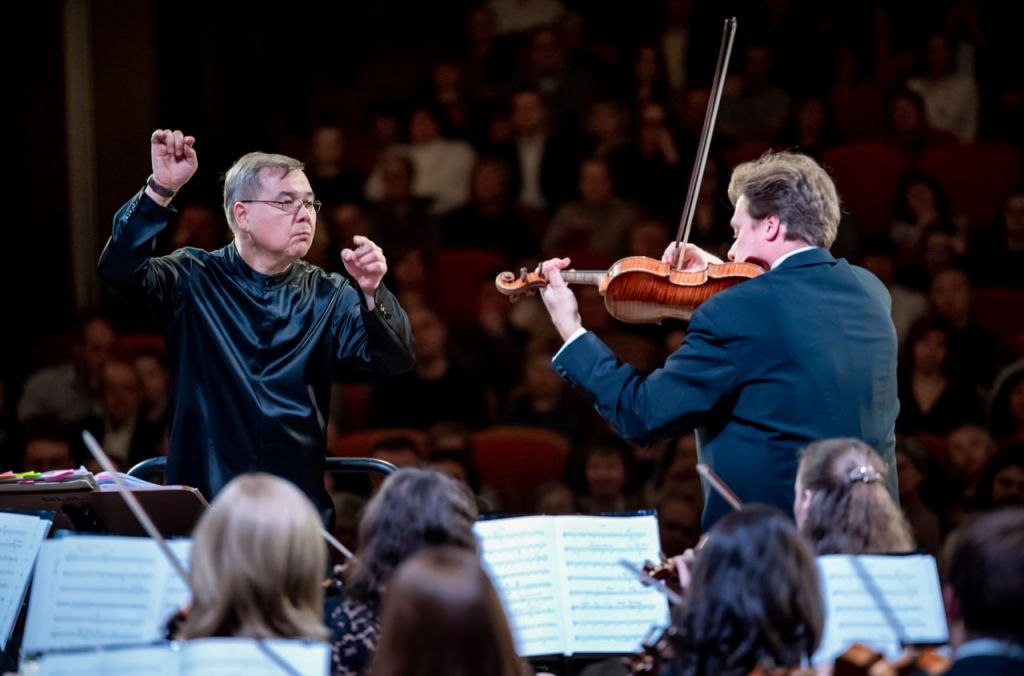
column 802, row 353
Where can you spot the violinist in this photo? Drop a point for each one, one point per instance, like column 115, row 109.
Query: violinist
column 842, row 505
column 803, row 352
column 984, row 595
column 753, row 605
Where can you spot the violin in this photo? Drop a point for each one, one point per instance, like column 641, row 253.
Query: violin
column 860, row 660
column 641, row 290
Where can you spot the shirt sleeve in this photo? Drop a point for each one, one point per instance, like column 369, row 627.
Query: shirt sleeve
column 675, row 398
column 127, row 261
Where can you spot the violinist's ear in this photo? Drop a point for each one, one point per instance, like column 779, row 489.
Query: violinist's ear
column 774, row 228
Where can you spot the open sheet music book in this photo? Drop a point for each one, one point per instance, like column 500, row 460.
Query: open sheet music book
column 201, row 657
column 880, row 601
column 563, row 587
column 102, row 590
column 20, row 538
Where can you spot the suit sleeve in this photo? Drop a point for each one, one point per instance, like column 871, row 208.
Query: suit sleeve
column 673, row 399
column 378, row 340
column 127, row 262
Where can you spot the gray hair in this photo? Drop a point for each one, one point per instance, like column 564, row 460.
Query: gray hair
column 242, row 182
column 795, row 189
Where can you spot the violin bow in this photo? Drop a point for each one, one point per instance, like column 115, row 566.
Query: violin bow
column 720, row 486
column 133, row 505
column 648, row 580
column 686, row 220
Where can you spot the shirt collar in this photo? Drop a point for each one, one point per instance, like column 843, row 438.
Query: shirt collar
column 990, row 647
column 239, row 265
column 778, row 261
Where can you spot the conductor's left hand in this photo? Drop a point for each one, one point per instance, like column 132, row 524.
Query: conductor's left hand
column 366, row 264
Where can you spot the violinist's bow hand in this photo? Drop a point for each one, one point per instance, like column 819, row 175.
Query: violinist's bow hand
column 694, row 258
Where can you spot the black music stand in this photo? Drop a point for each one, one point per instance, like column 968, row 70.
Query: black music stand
column 174, row 509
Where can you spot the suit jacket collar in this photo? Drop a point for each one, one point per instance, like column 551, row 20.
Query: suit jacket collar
column 815, row 256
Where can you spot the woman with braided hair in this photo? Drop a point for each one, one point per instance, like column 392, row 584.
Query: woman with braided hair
column 842, row 505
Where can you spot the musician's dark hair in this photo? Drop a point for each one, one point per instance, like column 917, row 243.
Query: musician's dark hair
column 984, row 567
column 442, row 615
column 850, row 515
column 414, row 509
column 754, row 598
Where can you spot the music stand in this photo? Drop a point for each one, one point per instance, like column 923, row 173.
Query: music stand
column 174, row 509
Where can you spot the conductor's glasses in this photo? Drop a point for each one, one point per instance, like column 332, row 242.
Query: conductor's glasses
column 290, row 206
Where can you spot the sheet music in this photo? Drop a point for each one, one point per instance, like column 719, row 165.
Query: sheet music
column 563, row 587
column 158, row 660
column 202, row 657
column 609, row 611
column 20, row 537
column 911, row 603
column 230, row 656
column 519, row 555
column 99, row 591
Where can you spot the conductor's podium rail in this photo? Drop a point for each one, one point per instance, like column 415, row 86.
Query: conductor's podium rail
column 153, row 466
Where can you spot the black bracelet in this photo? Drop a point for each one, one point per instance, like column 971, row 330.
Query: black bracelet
column 166, row 193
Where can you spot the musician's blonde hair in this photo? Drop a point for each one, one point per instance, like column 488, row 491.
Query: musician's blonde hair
column 257, row 564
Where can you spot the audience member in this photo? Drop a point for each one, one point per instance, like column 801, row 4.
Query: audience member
column 68, row 391
column 605, row 466
column 46, row 447
column 1006, row 405
column 1002, row 484
column 598, row 223
column 911, row 469
column 436, row 390
column 979, row 351
column 934, row 397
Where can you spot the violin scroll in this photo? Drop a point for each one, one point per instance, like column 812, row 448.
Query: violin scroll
column 512, row 285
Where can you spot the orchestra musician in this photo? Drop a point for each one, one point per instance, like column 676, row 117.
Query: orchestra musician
column 806, row 351
column 442, row 616
column 414, row 509
column 842, row 505
column 257, row 564
column 753, row 604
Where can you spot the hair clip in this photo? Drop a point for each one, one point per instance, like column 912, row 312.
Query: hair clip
column 865, row 473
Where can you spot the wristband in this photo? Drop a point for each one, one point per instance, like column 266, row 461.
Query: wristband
column 166, row 193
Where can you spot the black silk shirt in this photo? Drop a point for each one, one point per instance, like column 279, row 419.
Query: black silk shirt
column 251, row 356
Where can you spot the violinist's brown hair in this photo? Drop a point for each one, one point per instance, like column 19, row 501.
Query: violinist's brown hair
column 442, row 617
column 851, row 511
column 257, row 564
column 414, row 509
column 795, row 189
column 753, row 599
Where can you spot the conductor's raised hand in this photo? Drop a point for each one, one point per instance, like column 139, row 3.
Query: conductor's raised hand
column 174, row 158
column 694, row 258
column 366, row 264
column 559, row 299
